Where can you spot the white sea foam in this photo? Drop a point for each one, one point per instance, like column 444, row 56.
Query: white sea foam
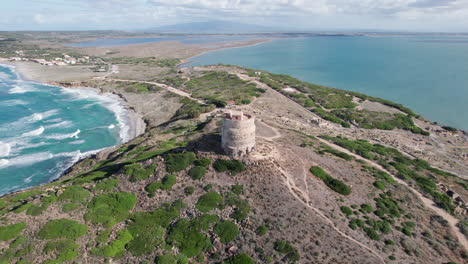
column 63, row 124
column 12, row 103
column 88, row 105
column 4, row 76
column 77, row 142
column 3, row 162
column 18, row 146
column 34, row 133
column 24, row 122
column 55, row 120
column 112, row 102
column 64, row 136
column 26, row 160
column 21, row 89
column 5, row 149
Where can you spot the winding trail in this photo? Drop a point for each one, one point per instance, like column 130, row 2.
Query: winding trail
column 303, row 197
column 426, row 201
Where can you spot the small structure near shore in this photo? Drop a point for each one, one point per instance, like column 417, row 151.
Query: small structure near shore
column 238, row 134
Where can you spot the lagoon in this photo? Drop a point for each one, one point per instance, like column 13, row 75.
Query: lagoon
column 426, row 73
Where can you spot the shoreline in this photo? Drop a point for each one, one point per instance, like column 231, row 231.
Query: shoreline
column 187, row 60
column 131, row 124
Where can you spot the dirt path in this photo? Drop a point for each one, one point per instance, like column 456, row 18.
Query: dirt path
column 303, row 197
column 167, row 87
column 426, row 201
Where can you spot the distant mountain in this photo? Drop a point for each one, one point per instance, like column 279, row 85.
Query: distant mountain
column 214, row 26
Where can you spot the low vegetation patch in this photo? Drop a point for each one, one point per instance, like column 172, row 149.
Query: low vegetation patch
column 239, row 259
column 116, row 248
column 176, row 162
column 65, row 250
column 197, row 172
column 226, row 231
column 62, row 228
column 188, row 236
column 109, row 209
column 233, row 166
column 334, row 184
column 11, row 231
column 148, row 229
column 137, row 173
column 290, row 252
column 107, row 184
column 209, row 201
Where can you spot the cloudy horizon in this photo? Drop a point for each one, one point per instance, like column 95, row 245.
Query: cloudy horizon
column 385, row 15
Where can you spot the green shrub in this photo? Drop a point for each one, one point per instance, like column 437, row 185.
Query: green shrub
column 148, row 228
column 371, row 233
column 346, row 210
column 237, row 189
column 338, row 186
column 65, row 250
column 379, row 185
column 239, row 259
column 204, row 162
column 241, row 207
column 285, row 248
column 319, row 172
column 334, row 184
column 166, row 259
column 11, row 231
column 168, row 181
column 209, row 201
column 35, row 210
column 107, row 184
column 109, row 209
column 74, row 194
column 18, row 241
column 226, row 231
column 68, row 207
column 234, row 166
column 189, row 190
column 197, row 172
column 138, row 173
column 152, row 187
column 116, row 248
column 262, row 230
column 179, row 161
column 187, row 236
column 367, row 208
column 62, row 228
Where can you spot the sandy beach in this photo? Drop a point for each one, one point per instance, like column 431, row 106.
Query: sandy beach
column 131, row 122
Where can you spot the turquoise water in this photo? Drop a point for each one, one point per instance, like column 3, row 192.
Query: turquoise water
column 429, row 74
column 45, row 129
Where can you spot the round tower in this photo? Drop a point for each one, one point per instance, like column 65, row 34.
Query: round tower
column 238, row 134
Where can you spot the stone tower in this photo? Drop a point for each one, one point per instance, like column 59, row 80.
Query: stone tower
column 238, row 134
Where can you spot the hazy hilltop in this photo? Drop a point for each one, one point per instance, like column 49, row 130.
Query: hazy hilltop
column 212, row 26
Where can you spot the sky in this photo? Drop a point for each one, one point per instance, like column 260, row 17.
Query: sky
column 393, row 15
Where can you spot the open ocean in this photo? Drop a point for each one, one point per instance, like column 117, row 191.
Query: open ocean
column 429, row 74
column 45, row 129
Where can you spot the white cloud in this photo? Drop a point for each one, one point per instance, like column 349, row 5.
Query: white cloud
column 128, row 14
column 40, row 19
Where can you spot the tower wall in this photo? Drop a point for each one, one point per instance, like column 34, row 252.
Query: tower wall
column 238, row 136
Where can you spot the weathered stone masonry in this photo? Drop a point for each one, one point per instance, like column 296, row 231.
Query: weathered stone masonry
column 238, row 134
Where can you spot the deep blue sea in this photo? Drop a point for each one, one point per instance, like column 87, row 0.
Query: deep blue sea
column 45, row 129
column 427, row 73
